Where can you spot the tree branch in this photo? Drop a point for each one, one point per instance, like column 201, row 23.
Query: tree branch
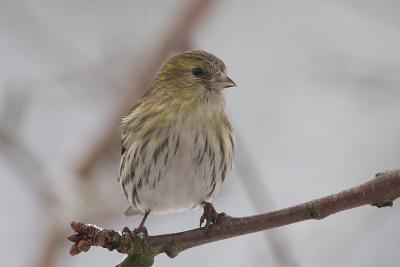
column 141, row 249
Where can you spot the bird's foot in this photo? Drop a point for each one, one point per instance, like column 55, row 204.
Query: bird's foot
column 126, row 230
column 210, row 215
column 141, row 231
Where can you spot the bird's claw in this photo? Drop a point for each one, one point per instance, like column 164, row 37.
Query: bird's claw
column 126, row 230
column 210, row 215
column 141, row 232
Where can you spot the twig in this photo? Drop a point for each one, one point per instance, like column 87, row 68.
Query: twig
column 380, row 191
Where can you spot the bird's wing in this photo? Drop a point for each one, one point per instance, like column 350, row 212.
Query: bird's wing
column 126, row 139
column 124, row 128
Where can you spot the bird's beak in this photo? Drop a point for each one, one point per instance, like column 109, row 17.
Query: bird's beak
column 224, row 81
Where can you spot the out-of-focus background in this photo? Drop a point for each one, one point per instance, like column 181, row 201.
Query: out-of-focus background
column 316, row 111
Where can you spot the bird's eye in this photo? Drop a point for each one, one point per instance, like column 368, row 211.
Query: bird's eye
column 198, row 72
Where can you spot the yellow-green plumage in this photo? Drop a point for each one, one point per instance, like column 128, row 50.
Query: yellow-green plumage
column 177, row 142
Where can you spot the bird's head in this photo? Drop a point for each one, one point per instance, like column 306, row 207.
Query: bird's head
column 194, row 72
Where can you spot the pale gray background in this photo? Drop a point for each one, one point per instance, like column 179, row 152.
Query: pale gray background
column 316, row 108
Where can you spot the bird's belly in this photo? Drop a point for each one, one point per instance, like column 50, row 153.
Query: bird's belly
column 189, row 178
column 174, row 193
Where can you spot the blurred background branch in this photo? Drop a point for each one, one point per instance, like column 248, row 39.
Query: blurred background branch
column 177, row 39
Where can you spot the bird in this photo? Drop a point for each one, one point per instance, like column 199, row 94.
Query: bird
column 177, row 142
